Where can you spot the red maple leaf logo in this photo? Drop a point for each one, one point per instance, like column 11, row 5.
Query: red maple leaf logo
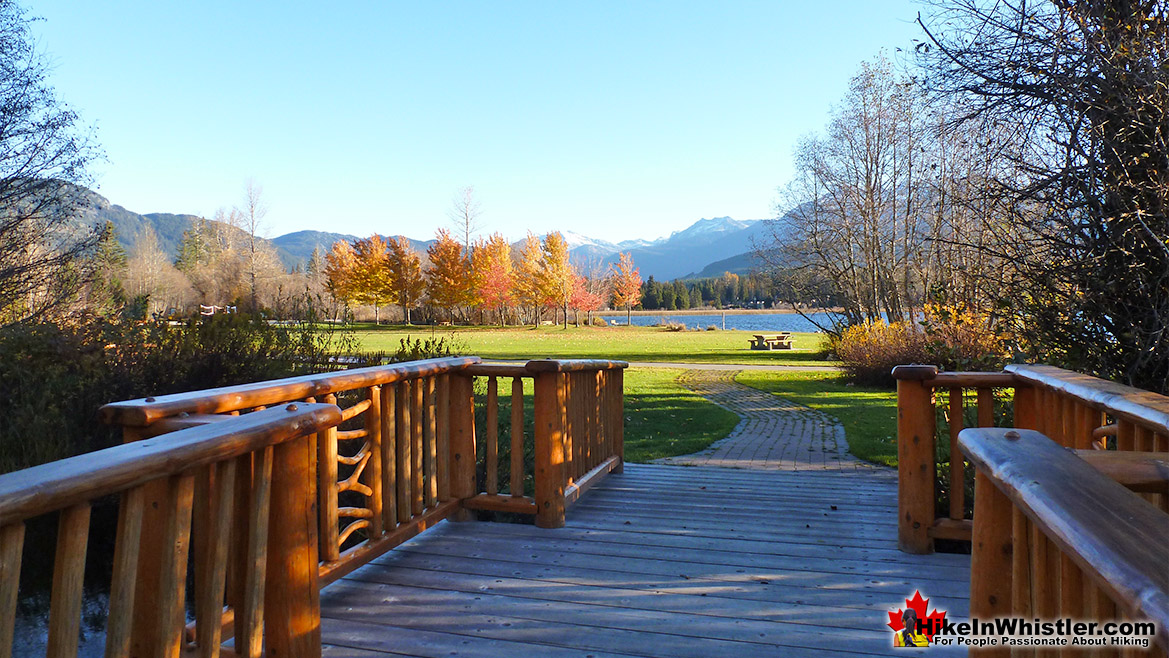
column 929, row 624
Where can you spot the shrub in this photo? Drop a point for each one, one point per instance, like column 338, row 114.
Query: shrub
column 950, row 337
column 53, row 377
column 671, row 325
column 960, row 339
column 428, row 348
column 712, row 327
column 869, row 351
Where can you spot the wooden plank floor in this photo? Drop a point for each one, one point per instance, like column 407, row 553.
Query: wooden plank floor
column 663, row 561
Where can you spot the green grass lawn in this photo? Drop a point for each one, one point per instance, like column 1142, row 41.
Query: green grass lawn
column 663, row 419
column 619, row 343
column 869, row 415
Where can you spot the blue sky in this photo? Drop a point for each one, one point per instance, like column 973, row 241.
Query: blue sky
column 618, row 120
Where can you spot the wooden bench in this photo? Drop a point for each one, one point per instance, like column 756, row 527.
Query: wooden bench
column 779, row 341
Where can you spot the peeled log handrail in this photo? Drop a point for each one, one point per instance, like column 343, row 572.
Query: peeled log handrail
column 57, row 485
column 1113, row 536
column 1142, row 407
column 143, row 412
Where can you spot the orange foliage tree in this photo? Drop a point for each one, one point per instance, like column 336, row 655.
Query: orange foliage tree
column 626, row 285
column 585, row 298
column 447, row 281
column 558, row 274
column 405, row 270
column 491, row 274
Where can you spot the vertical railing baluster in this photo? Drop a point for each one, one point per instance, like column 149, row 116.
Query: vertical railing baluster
column 462, row 443
column 11, row 550
column 1021, row 549
column 444, row 438
column 617, row 414
column 389, row 450
column 1125, row 435
column 567, row 430
column 68, row 578
column 517, row 437
column 292, row 612
column 985, row 407
column 125, row 572
column 327, row 491
column 430, row 441
column 405, row 459
column 957, row 465
column 373, row 474
column 209, row 605
column 491, row 439
column 990, row 565
column 249, row 619
column 417, row 420
column 173, row 574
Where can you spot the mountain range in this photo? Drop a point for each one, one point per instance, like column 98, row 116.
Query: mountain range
column 708, row 247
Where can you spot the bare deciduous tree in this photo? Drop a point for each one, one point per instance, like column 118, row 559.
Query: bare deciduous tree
column 249, row 219
column 43, row 160
column 1082, row 90
column 464, row 215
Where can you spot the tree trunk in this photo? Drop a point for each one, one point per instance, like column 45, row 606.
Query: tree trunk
column 628, row 315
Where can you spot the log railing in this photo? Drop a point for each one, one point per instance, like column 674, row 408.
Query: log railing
column 1074, row 410
column 578, row 434
column 253, row 471
column 394, row 467
column 397, row 456
column 1056, row 538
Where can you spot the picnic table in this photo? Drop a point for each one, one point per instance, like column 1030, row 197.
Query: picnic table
column 777, row 341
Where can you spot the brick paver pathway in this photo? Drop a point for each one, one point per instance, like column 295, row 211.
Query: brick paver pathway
column 774, row 433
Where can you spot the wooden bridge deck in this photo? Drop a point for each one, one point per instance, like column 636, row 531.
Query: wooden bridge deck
column 659, row 561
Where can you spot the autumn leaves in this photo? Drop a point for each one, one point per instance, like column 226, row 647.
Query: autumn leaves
column 494, row 282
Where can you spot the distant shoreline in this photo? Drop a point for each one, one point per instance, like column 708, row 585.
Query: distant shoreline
column 706, row 311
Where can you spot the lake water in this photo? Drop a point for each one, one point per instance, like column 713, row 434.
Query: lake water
column 761, row 322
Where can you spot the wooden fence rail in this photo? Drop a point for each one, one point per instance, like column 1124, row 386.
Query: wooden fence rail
column 1056, row 538
column 259, row 465
column 1074, row 410
column 578, row 434
column 400, row 456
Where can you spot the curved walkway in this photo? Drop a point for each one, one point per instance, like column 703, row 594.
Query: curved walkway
column 773, row 433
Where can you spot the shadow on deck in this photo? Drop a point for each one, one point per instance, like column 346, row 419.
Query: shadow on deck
column 656, row 561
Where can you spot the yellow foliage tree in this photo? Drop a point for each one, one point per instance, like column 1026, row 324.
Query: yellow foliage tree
column 371, row 277
column 558, row 275
column 527, row 277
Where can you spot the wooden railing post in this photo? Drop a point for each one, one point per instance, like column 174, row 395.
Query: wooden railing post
column 550, row 472
column 292, row 604
column 916, row 461
column 462, row 442
column 616, row 383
